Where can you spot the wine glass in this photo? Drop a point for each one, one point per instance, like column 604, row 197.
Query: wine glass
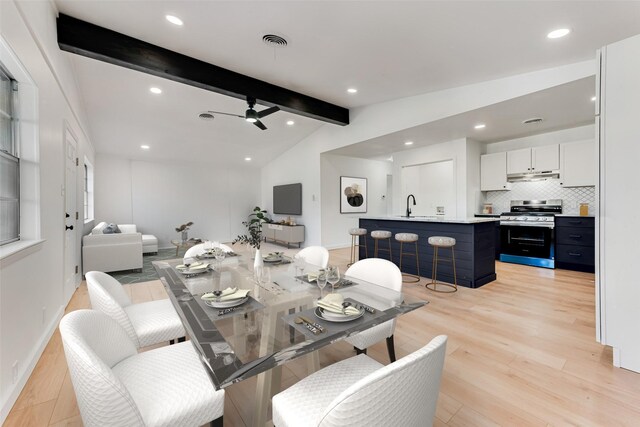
column 298, row 263
column 333, row 276
column 322, row 280
column 207, row 246
column 220, row 255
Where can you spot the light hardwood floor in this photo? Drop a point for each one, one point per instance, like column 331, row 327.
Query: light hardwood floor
column 521, row 352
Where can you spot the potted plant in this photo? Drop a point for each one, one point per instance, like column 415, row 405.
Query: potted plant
column 254, row 226
column 184, row 229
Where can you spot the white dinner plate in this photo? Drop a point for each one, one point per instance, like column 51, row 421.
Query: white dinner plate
column 336, row 317
column 271, row 258
column 226, row 304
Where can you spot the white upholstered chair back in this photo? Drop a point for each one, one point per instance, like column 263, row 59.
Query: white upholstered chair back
column 382, row 273
column 106, row 295
column 93, row 344
column 378, row 271
column 199, row 250
column 402, row 393
column 315, row 255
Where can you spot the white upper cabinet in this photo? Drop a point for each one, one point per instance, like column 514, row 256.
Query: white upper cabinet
column 578, row 164
column 493, row 172
column 536, row 159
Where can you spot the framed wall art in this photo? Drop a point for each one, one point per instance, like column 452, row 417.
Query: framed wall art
column 353, row 195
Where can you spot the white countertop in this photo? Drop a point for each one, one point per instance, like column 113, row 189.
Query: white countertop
column 433, row 219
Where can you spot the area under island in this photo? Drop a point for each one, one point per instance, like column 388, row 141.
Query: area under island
column 474, row 249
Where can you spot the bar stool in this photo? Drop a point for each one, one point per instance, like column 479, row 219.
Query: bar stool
column 409, row 238
column 357, row 233
column 442, row 242
column 381, row 235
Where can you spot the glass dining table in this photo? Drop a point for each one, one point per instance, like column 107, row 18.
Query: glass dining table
column 278, row 322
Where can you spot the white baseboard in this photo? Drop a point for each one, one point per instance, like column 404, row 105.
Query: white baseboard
column 338, row 246
column 28, row 367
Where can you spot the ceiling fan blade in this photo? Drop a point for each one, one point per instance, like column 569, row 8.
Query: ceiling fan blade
column 268, row 111
column 260, row 125
column 226, row 114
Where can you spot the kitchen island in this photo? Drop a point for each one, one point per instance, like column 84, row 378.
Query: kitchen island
column 474, row 250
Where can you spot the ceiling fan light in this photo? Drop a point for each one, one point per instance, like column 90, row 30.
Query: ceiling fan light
column 251, row 115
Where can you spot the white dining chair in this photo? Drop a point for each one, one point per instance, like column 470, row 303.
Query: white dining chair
column 199, row 250
column 315, row 255
column 147, row 323
column 362, row 392
column 382, row 273
column 117, row 386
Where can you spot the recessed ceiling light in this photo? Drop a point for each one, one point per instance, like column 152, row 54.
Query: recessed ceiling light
column 155, row 90
column 480, row 126
column 145, row 147
column 352, row 90
column 247, row 159
column 174, row 20
column 291, row 122
column 556, row 34
column 408, row 143
column 593, row 98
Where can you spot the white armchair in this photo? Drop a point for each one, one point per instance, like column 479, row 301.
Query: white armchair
column 112, row 252
column 117, row 386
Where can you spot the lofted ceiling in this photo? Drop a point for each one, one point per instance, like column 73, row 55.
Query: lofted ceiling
column 386, row 49
column 560, row 107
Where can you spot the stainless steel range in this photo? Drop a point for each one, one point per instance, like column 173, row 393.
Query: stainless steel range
column 526, row 233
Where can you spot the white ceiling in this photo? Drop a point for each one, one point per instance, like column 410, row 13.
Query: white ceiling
column 387, row 49
column 560, row 107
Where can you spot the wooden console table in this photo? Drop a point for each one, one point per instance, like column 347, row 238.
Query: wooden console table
column 280, row 233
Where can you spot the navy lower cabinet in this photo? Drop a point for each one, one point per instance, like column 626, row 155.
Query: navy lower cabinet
column 474, row 249
column 575, row 243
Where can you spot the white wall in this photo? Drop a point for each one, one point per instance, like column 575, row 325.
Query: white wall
column 301, row 163
column 433, row 185
column 335, row 225
column 31, row 280
column 159, row 196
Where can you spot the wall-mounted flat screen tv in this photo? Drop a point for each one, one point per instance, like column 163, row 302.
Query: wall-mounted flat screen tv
column 287, row 199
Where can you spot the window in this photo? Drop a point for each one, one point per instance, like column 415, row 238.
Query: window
column 9, row 161
column 88, row 190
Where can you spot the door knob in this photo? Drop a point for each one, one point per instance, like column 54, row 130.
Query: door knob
column 68, row 227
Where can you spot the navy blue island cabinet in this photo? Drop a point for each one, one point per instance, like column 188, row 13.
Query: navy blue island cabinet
column 474, row 250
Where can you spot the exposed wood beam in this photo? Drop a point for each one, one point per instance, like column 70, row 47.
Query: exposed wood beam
column 86, row 39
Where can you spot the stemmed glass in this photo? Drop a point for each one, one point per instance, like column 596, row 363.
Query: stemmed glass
column 300, row 264
column 220, row 255
column 333, row 276
column 207, row 246
column 322, row 280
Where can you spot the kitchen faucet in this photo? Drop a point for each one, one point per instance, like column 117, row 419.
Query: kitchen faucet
column 414, row 203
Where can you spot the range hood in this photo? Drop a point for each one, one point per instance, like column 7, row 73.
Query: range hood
column 534, row 176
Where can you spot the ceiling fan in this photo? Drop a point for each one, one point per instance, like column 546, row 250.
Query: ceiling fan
column 251, row 115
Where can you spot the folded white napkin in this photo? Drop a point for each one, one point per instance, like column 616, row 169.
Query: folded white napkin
column 312, row 277
column 194, row 266
column 333, row 303
column 227, row 295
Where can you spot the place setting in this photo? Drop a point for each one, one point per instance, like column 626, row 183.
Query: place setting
column 190, row 267
column 276, row 258
column 229, row 300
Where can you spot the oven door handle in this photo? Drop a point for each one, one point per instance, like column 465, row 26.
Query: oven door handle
column 527, row 225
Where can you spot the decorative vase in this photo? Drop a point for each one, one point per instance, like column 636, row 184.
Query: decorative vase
column 185, row 236
column 258, row 266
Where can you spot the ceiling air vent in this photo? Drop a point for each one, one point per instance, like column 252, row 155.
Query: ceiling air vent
column 206, row 116
column 532, row 121
column 274, row 40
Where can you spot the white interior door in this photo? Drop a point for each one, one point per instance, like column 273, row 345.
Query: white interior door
column 70, row 215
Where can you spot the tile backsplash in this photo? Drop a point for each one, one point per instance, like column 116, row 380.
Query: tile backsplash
column 543, row 190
